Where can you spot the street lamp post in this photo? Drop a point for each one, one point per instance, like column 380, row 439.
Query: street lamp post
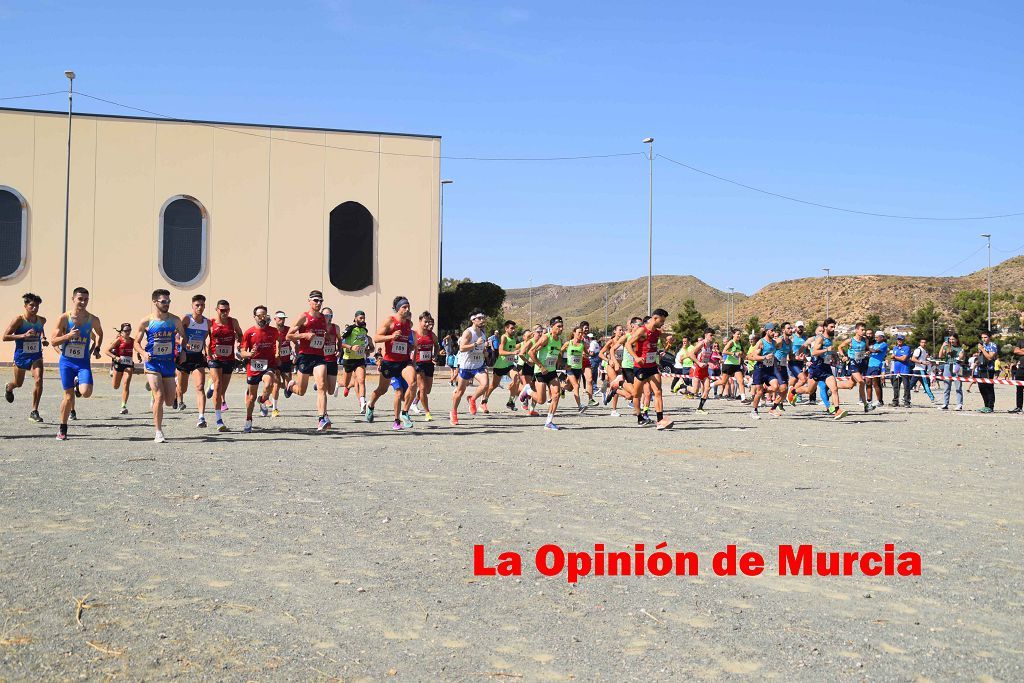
column 731, row 312
column 531, row 302
column 607, row 286
column 440, row 240
column 650, row 222
column 70, row 75
column 828, row 285
column 988, row 237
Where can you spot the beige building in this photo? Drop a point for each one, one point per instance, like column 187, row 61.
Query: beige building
column 249, row 213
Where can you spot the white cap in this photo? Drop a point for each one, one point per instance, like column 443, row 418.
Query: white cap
column 799, row 323
column 281, row 315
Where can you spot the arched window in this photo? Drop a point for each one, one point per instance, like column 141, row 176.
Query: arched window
column 182, row 257
column 350, row 247
column 13, row 232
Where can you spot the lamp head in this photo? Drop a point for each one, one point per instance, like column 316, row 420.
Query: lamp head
column 447, row 182
column 70, row 75
column 648, row 140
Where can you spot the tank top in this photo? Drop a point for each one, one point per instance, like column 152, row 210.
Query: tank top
column 396, row 351
column 768, row 351
column 124, row 350
column 858, row 350
column 687, row 361
column 355, row 335
column 524, row 356
column 222, row 340
column 318, row 326
column 160, row 340
column 574, row 355
column 284, row 347
column 705, row 354
column 76, row 351
column 647, row 349
column 825, row 358
column 548, row 355
column 731, row 355
column 625, row 358
column 782, row 351
column 331, row 344
column 507, row 344
column 474, row 358
column 798, row 343
column 195, row 334
column 425, row 344
column 27, row 348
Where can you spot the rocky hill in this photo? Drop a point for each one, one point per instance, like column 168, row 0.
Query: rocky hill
column 852, row 297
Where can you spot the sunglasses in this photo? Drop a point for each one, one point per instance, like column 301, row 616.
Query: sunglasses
column 224, row 310
column 317, row 301
column 163, row 302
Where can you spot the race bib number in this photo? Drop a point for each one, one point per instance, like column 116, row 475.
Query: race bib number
column 258, row 365
column 651, row 357
column 125, row 360
column 316, row 343
column 330, row 349
column 575, row 359
column 284, row 350
column 425, row 356
column 30, row 346
column 162, row 349
column 400, row 348
column 550, row 362
column 769, row 361
column 74, row 350
column 827, row 357
column 859, row 355
column 194, row 345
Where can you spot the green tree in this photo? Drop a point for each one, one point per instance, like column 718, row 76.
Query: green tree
column 873, row 321
column 926, row 325
column 753, row 326
column 457, row 303
column 690, row 322
column 971, row 309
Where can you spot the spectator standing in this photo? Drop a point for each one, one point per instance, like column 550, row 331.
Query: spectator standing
column 985, row 369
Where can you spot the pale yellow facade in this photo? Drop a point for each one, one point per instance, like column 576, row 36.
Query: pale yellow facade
column 267, row 193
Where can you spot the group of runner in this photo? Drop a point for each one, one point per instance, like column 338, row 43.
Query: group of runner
column 541, row 364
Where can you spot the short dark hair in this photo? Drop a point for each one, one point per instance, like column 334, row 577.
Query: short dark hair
column 556, row 319
column 709, row 331
column 199, row 297
column 426, row 315
column 636, row 319
column 584, row 323
column 860, row 325
column 160, row 292
column 223, row 302
column 829, row 321
column 30, row 298
column 79, row 290
column 510, row 322
column 785, row 323
column 660, row 311
column 259, row 307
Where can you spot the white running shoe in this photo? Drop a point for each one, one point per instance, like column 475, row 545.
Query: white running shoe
column 159, row 438
column 754, row 415
column 615, row 413
column 415, row 409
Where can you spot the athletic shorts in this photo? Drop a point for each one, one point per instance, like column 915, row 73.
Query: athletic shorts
column 255, row 378
column 350, row 364
column 781, row 374
column 193, row 361
column 714, row 372
column 699, row 372
column 450, row 360
column 332, row 368
column 628, row 375
column 820, row 371
column 305, row 362
column 527, row 370
column 874, row 371
column 546, row 377
column 795, row 368
column 161, row 366
column 577, row 373
column 26, row 362
column 586, row 362
column 730, row 369
column 392, row 369
column 470, row 374
column 686, row 370
column 502, row 372
column 426, row 368
column 860, row 366
column 643, row 374
column 763, row 374
column 69, row 372
column 121, row 368
column 222, row 365
column 285, row 366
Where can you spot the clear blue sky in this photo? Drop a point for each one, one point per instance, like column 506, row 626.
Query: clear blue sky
column 892, row 107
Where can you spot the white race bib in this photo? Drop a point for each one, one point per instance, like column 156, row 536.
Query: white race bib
column 222, row 350
column 257, row 364
column 425, row 355
column 768, row 362
column 194, row 345
column 330, row 349
column 162, row 348
column 125, row 360
column 400, row 348
column 74, row 350
column 574, row 360
column 550, row 362
column 284, row 350
column 30, row 346
column 316, row 343
column 651, row 357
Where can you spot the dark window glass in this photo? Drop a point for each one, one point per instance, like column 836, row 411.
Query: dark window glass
column 12, row 233
column 350, row 250
column 182, row 247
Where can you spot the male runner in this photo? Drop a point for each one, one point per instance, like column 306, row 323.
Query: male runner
column 857, row 352
column 159, row 329
column 544, row 353
column 643, row 347
column 122, row 360
column 259, row 350
column 504, row 366
column 310, row 331
column 284, row 361
column 395, row 367
column 355, row 340
column 732, row 366
column 700, row 355
column 763, row 378
column 425, row 350
column 821, row 371
column 79, row 334
column 471, row 363
column 225, row 332
column 197, row 329
column 877, row 355
column 574, row 351
column 331, row 339
column 26, row 331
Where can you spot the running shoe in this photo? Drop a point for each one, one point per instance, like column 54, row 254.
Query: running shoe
column 472, row 405
column 664, row 424
column 34, row 416
column 701, row 411
column 427, row 417
column 369, row 414
column 1014, row 410
column 581, row 410
column 552, row 426
column 124, row 410
column 774, row 411
column 533, row 413
column 840, row 414
column 615, row 413
column 406, row 421
column 275, row 413
column 224, row 406
column 362, row 404
column 61, row 436
column 336, row 390
column 396, row 426
column 510, row 404
column 209, row 391
column 181, row 406
column 221, row 427
column 78, row 393
column 812, row 401
column 591, row 403
column 9, row 395
column 323, row 424
column 159, row 438
column 287, row 390
column 792, row 398
column 247, row 429
column 264, row 410
column 174, row 406
column 959, row 407
column 986, row 409
column 74, row 415
column 754, row 415
column 415, row 409
column 201, row 424
column 483, row 407
column 645, row 422
column 345, row 394
column 943, row 408
column 453, row 417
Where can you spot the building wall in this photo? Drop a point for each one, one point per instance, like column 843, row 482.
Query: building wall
column 268, row 193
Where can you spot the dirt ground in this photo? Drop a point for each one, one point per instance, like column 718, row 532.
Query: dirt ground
column 286, row 554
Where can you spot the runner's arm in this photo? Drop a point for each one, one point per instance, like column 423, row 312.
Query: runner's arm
column 534, row 348
column 141, row 332
column 10, row 335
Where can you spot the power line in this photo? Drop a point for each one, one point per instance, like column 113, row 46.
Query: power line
column 834, row 208
column 39, row 94
column 969, row 257
column 353, row 149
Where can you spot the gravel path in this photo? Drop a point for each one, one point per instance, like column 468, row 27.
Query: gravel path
column 290, row 555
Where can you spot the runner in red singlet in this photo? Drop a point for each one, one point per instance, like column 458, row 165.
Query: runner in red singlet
column 643, row 346
column 310, row 331
column 225, row 332
column 259, row 349
column 395, row 334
